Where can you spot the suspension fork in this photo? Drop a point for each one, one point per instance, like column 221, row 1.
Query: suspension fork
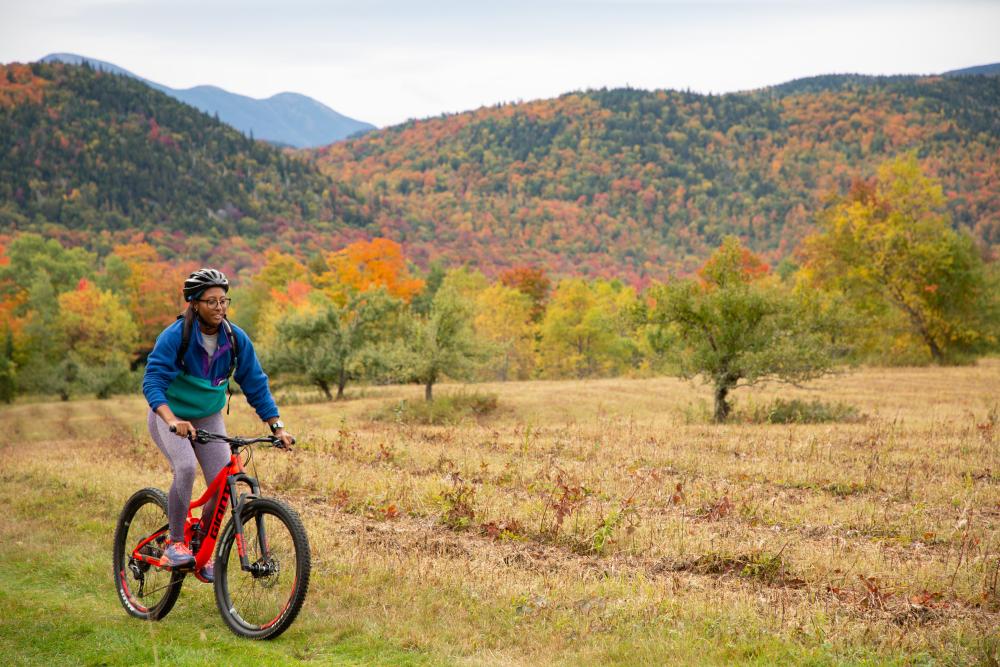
column 239, row 502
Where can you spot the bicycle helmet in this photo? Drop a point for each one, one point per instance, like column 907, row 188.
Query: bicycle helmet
column 201, row 280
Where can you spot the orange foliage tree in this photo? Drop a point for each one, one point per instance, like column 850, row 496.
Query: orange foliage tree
column 149, row 287
column 532, row 282
column 365, row 265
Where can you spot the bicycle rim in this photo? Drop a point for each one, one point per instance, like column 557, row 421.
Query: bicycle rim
column 261, row 604
column 144, row 590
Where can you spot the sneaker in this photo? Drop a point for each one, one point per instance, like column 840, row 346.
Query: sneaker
column 177, row 555
column 207, row 573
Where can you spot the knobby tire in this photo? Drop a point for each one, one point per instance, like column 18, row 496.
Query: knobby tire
column 152, row 594
column 263, row 606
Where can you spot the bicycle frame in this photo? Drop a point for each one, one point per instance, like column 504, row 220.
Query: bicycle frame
column 223, row 489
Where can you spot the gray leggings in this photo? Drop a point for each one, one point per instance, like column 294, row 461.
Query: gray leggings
column 212, row 456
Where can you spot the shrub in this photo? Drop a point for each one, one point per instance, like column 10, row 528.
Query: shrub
column 802, row 412
column 458, row 506
column 106, row 380
column 449, row 409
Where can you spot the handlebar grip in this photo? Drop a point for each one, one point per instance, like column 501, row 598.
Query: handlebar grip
column 173, row 429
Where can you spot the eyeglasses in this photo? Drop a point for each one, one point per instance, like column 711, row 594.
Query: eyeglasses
column 216, row 303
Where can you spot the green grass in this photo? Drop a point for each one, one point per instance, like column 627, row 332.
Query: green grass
column 58, row 603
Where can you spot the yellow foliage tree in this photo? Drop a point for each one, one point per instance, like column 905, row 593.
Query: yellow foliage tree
column 503, row 318
column 95, row 326
column 99, row 338
column 889, row 248
column 585, row 331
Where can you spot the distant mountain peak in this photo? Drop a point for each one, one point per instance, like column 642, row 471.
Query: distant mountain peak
column 287, row 118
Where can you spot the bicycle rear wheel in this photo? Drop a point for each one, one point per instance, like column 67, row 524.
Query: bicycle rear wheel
column 146, row 591
column 262, row 603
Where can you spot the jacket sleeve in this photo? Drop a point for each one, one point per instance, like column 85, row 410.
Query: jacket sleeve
column 161, row 368
column 252, row 379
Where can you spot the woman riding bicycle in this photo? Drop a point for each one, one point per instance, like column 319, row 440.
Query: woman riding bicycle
column 185, row 384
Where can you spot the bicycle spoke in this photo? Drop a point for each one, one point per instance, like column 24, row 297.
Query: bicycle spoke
column 259, row 598
column 162, row 588
column 145, row 590
column 147, row 520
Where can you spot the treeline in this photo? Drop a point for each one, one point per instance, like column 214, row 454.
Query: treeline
column 85, row 153
column 634, row 183
column 885, row 279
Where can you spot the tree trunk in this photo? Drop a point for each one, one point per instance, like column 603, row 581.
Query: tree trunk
column 325, row 386
column 721, row 406
column 936, row 354
column 341, row 383
column 919, row 322
column 428, row 393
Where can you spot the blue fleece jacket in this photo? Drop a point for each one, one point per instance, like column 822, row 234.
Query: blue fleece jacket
column 201, row 390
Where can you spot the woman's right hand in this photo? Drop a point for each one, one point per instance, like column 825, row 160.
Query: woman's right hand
column 182, row 428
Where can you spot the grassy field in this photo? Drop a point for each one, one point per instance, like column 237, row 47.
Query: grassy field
column 582, row 523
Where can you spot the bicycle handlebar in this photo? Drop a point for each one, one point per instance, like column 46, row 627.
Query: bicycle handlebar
column 203, row 436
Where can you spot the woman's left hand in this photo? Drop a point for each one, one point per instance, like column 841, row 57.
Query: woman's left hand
column 287, row 440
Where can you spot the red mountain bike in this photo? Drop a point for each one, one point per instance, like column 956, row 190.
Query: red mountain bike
column 261, row 564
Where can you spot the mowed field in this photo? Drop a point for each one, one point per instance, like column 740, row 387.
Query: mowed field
column 590, row 522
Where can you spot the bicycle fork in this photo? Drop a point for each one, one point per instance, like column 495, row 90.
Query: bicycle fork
column 264, row 565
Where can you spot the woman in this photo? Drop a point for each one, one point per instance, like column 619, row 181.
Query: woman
column 186, row 390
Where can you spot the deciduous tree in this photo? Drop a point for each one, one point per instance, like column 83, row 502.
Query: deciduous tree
column 330, row 344
column 586, row 329
column 890, row 249
column 503, row 318
column 442, row 343
column 30, row 255
column 532, row 282
column 99, row 336
column 366, row 265
column 737, row 328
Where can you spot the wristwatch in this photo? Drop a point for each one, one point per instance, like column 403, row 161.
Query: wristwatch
column 276, row 425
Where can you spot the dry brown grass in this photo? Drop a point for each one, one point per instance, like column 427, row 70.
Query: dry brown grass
column 601, row 521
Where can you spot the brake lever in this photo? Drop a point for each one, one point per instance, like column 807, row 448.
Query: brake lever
column 199, row 435
column 277, row 442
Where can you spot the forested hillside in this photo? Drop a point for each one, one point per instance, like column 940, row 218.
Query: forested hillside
column 635, row 183
column 86, row 155
column 617, row 183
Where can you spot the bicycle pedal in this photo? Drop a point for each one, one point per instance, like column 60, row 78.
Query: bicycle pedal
column 179, row 568
column 184, row 569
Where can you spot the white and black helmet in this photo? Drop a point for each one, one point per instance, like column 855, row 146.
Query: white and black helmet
column 201, row 280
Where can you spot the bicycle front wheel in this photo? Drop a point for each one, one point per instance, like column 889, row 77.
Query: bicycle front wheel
column 146, row 591
column 263, row 602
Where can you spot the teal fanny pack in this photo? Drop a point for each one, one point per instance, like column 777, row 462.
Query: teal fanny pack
column 191, row 397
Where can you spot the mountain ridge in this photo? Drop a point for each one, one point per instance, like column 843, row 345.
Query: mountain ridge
column 286, row 118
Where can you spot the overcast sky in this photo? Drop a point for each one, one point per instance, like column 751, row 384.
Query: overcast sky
column 384, row 61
